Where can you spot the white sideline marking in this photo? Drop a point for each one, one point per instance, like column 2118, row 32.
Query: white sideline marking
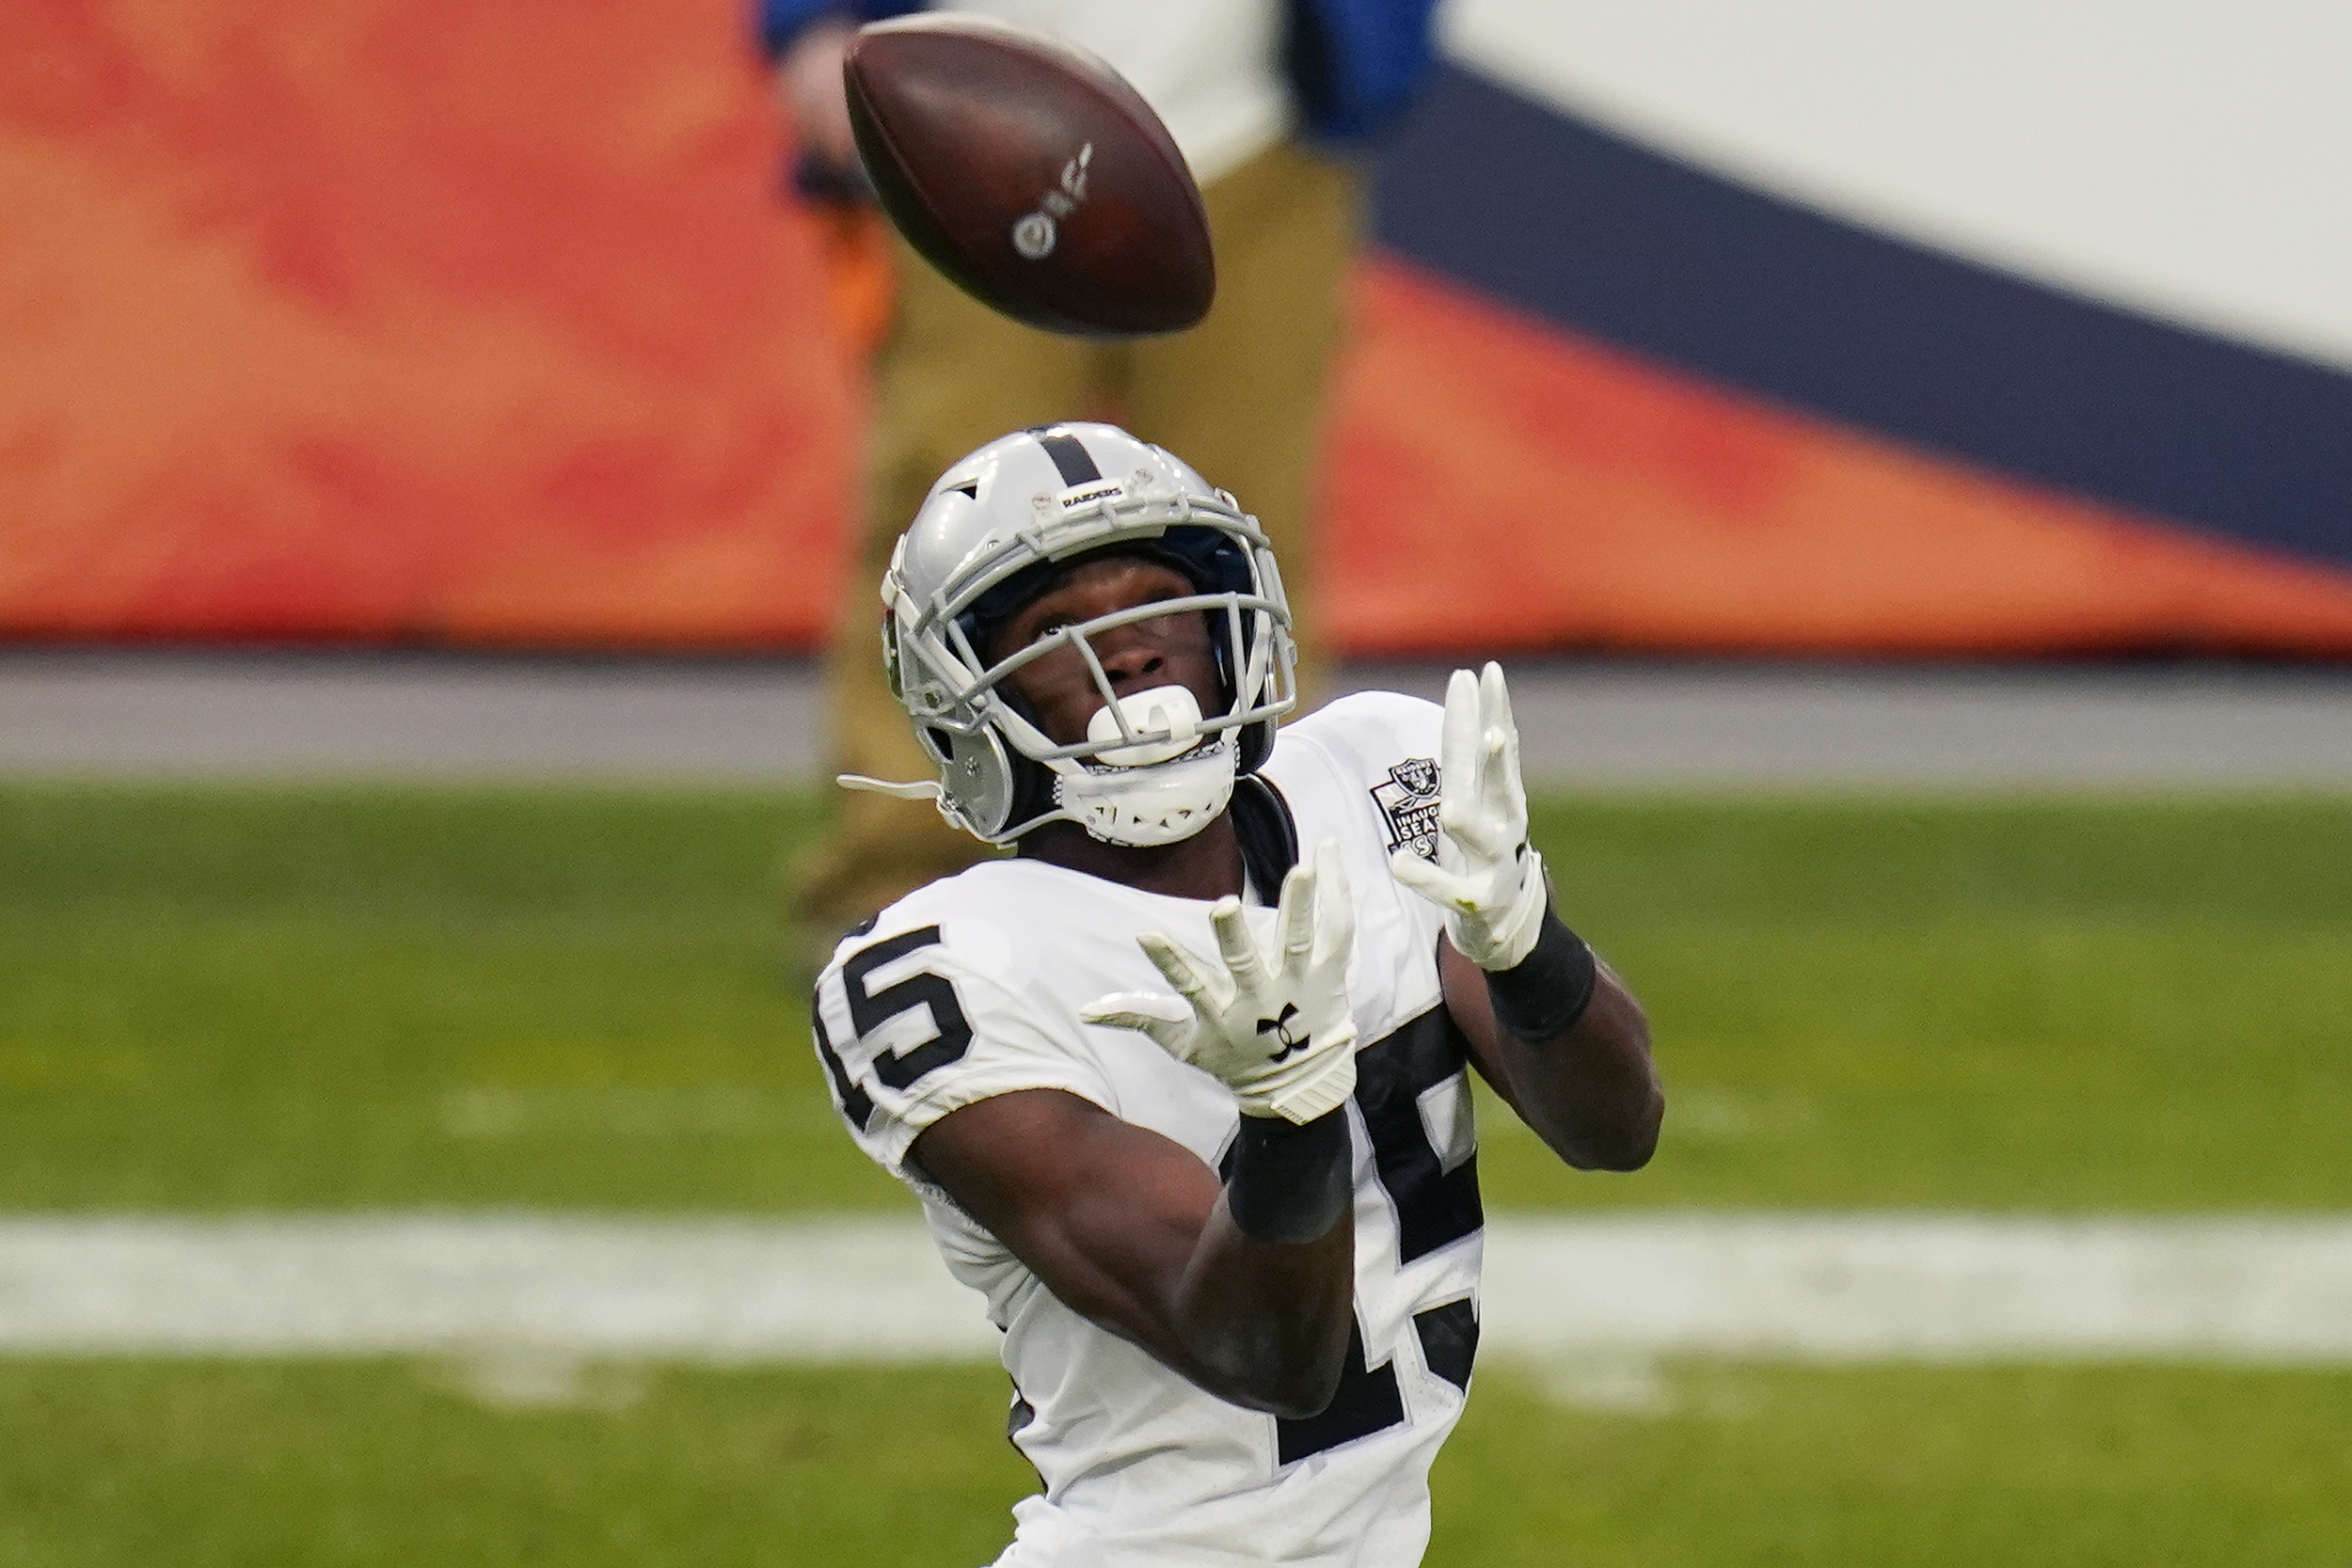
column 1926, row 1287
column 1826, row 1287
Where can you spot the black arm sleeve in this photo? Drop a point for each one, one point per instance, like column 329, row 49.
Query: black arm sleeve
column 1548, row 991
column 1289, row 1183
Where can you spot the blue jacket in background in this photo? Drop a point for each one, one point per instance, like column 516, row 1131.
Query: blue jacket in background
column 1353, row 64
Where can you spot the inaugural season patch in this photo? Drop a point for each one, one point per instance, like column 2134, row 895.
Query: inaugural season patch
column 1408, row 801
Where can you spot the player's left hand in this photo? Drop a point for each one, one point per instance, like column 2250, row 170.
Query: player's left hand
column 1486, row 878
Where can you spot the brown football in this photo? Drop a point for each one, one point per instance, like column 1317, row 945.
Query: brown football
column 1031, row 173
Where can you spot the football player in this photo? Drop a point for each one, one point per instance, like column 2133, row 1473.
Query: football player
column 1182, row 1086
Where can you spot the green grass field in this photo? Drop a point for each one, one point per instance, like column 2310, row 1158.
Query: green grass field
column 226, row 1466
column 222, row 999
column 229, row 1000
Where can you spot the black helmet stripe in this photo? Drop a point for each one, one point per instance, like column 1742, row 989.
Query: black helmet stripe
column 1071, row 456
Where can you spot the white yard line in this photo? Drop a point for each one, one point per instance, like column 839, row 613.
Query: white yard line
column 1826, row 1287
column 1944, row 1287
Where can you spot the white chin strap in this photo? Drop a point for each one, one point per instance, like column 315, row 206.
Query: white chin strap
column 1155, row 791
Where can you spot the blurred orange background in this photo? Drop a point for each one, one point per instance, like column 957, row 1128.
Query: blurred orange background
column 475, row 325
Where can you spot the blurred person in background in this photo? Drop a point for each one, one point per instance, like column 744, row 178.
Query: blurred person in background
column 1265, row 97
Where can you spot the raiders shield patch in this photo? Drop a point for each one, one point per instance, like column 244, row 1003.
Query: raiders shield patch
column 1408, row 802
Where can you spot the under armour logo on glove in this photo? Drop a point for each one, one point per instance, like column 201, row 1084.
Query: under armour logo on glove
column 1280, row 1029
column 1270, row 1020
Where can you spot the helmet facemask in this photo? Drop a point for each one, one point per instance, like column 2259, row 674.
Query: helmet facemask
column 1153, row 768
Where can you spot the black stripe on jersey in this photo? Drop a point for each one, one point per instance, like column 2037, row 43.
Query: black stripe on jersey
column 1070, row 457
column 1367, row 1401
column 1449, row 1341
column 1435, row 1207
column 857, row 1106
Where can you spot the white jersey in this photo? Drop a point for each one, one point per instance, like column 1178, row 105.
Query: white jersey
column 972, row 988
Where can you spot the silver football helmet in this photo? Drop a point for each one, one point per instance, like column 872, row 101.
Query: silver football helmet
column 1153, row 768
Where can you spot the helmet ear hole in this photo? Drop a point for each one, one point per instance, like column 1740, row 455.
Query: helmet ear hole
column 937, row 742
column 980, row 779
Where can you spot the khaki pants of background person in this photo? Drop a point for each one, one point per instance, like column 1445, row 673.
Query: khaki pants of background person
column 1239, row 397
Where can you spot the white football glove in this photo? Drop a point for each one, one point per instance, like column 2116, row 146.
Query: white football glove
column 1270, row 1023
column 1488, row 882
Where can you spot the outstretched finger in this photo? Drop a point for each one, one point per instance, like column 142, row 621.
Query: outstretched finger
column 1505, row 788
column 1295, row 914
column 1458, row 747
column 1441, row 887
column 1145, row 1012
column 1183, row 971
column 1494, row 696
column 1234, row 943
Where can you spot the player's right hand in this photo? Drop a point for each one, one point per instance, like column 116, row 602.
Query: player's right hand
column 1272, row 1024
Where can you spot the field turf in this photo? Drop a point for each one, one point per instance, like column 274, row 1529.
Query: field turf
column 226, row 1466
column 217, row 999
column 220, row 1000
